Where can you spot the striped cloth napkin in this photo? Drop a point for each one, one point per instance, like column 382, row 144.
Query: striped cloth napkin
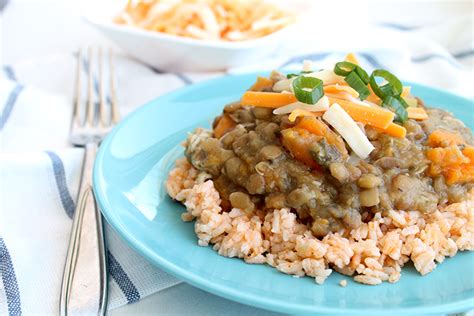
column 40, row 171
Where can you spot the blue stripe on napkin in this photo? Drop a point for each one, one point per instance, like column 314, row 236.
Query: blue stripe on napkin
column 372, row 60
column 60, row 176
column 114, row 268
column 423, row 58
column 185, row 79
column 464, row 54
column 7, row 109
column 8, row 70
column 116, row 271
column 301, row 58
column 399, row 27
column 10, row 283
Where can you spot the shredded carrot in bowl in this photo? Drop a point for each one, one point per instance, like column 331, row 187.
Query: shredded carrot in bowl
column 224, row 20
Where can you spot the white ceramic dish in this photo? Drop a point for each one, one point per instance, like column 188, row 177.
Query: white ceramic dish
column 174, row 53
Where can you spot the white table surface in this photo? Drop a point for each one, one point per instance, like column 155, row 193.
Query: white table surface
column 32, row 29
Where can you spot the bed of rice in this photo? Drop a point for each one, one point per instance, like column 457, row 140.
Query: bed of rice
column 373, row 253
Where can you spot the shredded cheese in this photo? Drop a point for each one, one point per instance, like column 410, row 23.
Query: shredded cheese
column 327, row 76
column 307, row 65
column 299, row 112
column 338, row 88
column 355, row 100
column 321, row 105
column 283, row 85
column 348, row 129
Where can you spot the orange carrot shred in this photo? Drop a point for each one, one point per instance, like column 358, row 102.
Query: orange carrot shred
column 267, row 99
column 351, row 58
column 336, row 88
column 417, row 113
column 394, row 130
column 374, row 116
column 261, row 84
column 373, row 97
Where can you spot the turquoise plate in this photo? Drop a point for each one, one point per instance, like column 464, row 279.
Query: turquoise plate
column 129, row 174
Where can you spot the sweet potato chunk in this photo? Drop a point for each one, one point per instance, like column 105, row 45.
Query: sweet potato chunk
column 318, row 127
column 457, row 166
column 224, row 125
column 444, row 138
column 298, row 141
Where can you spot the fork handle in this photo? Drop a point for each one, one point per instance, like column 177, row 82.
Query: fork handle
column 84, row 283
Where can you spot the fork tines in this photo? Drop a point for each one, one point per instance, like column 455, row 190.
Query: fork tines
column 95, row 107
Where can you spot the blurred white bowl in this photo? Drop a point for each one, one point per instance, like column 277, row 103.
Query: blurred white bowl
column 175, row 53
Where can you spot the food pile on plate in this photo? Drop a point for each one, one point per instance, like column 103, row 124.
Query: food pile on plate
column 336, row 169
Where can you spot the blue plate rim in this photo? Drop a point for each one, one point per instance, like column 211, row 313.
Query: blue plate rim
column 228, row 292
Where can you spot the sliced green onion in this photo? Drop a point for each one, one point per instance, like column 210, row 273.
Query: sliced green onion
column 355, row 76
column 403, row 102
column 396, row 106
column 362, row 74
column 387, row 89
column 395, row 88
column 291, row 75
column 358, row 85
column 343, row 68
column 308, row 89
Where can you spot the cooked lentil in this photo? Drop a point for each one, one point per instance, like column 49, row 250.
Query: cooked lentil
column 252, row 158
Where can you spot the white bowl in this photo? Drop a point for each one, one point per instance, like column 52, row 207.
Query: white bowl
column 174, row 53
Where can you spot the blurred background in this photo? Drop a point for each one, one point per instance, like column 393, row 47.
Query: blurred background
column 35, row 28
column 28, row 25
column 399, row 33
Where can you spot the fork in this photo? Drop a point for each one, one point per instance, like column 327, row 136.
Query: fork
column 84, row 282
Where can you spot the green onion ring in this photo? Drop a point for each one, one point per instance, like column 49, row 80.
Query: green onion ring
column 396, row 86
column 394, row 104
column 308, row 89
column 358, row 85
column 362, row 74
column 344, row 68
